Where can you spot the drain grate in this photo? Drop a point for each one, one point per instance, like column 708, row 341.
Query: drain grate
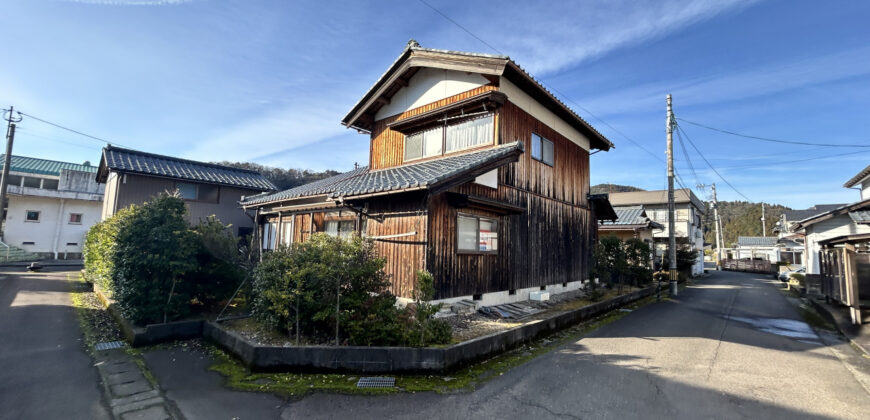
column 109, row 345
column 376, row 382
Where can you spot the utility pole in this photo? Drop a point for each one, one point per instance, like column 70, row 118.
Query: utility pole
column 672, row 240
column 718, row 232
column 7, row 162
column 763, row 226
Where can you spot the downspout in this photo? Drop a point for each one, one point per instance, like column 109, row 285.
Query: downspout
column 58, row 227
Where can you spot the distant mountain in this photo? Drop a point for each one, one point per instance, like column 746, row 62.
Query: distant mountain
column 612, row 188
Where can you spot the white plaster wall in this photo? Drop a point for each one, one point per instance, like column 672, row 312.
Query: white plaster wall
column 43, row 232
column 831, row 228
column 865, row 189
column 429, row 85
column 535, row 109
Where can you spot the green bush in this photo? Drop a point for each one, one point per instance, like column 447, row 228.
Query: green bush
column 219, row 268
column 99, row 250
column 333, row 285
column 637, row 256
column 154, row 248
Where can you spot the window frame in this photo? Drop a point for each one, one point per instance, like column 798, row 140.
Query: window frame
column 495, row 220
column 38, row 216
column 542, row 140
column 70, row 222
column 443, row 129
column 196, row 188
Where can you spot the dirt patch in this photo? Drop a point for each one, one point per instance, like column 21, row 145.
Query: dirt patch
column 467, row 327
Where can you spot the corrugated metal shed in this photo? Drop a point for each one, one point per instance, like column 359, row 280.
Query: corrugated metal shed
column 38, row 166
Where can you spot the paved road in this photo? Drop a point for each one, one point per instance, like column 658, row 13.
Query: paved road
column 731, row 347
column 44, row 374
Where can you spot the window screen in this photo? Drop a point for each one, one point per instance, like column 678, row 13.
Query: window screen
column 32, row 182
column 187, row 191
column 477, row 234
column 205, row 192
column 467, row 233
column 536, row 146
column 50, row 184
column 548, row 152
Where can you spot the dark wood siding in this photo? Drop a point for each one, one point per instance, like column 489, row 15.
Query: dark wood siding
column 405, row 255
column 548, row 243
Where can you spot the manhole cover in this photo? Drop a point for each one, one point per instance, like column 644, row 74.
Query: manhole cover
column 376, row 382
column 109, row 345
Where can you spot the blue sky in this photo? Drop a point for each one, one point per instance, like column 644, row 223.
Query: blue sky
column 269, row 81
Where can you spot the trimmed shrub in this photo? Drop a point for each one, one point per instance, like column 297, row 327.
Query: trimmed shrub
column 334, row 288
column 99, row 250
column 637, row 256
column 154, row 248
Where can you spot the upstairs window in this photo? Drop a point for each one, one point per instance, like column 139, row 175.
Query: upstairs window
column 31, row 216
column 542, row 149
column 476, row 234
column 75, row 218
column 449, row 138
column 198, row 192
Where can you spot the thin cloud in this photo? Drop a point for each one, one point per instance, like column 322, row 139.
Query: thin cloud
column 562, row 35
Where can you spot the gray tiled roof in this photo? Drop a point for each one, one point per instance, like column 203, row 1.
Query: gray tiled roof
column 756, row 240
column 632, row 198
column 134, row 161
column 628, row 216
column 860, row 216
column 797, row 215
column 420, row 175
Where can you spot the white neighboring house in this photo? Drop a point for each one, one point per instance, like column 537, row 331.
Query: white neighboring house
column 757, row 247
column 51, row 206
column 843, row 222
column 688, row 209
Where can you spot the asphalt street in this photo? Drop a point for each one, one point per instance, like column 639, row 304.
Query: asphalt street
column 731, row 346
column 44, row 372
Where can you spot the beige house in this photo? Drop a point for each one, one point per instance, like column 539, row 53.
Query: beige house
column 631, row 223
column 134, row 177
column 687, row 224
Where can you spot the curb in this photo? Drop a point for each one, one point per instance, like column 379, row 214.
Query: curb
column 822, row 310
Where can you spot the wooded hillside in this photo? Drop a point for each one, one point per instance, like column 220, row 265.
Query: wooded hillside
column 741, row 218
column 283, row 178
column 612, row 188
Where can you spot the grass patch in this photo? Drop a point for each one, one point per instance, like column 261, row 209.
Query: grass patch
column 237, row 376
column 96, row 323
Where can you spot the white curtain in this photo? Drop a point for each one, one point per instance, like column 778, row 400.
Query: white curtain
column 470, row 133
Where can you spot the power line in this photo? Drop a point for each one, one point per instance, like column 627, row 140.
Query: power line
column 788, row 162
column 688, row 159
column 770, row 139
column 710, row 165
column 71, row 130
column 547, row 85
column 461, row 27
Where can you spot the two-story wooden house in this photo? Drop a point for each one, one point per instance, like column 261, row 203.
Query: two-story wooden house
column 477, row 173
